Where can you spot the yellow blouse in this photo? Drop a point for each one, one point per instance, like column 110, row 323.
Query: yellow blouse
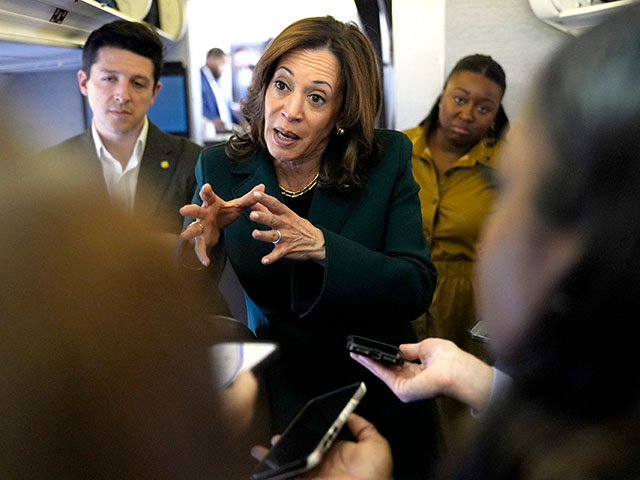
column 454, row 206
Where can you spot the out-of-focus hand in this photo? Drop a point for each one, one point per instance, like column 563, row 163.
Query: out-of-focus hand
column 298, row 239
column 212, row 216
column 445, row 369
column 367, row 459
column 238, row 401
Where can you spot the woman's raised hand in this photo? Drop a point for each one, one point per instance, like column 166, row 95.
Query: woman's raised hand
column 213, row 216
column 294, row 237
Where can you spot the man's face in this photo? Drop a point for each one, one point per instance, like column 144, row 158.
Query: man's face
column 120, row 90
column 216, row 65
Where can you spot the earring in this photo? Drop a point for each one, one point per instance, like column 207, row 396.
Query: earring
column 339, row 130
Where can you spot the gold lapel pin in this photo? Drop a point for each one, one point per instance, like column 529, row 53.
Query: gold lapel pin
column 164, row 164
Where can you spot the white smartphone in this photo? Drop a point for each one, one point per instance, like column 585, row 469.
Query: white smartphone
column 228, row 359
column 310, row 434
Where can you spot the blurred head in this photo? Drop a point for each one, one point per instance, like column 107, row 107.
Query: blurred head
column 104, row 369
column 559, row 265
column 344, row 50
column 470, row 106
column 121, row 64
column 216, row 61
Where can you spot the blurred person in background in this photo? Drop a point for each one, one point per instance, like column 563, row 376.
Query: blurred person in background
column 216, row 106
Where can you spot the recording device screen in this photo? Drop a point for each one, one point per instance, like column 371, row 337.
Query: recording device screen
column 313, row 429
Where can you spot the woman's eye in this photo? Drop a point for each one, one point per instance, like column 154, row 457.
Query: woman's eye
column 280, row 85
column 483, row 110
column 459, row 100
column 316, row 99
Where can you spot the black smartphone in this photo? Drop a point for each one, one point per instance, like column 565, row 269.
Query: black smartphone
column 310, row 434
column 382, row 352
column 478, row 332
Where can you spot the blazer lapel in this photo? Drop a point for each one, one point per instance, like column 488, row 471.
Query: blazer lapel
column 156, row 170
column 256, row 169
column 85, row 151
column 331, row 208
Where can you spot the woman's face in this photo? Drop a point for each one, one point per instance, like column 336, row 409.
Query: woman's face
column 520, row 257
column 301, row 105
column 468, row 106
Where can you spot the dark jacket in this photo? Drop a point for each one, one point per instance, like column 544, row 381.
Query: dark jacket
column 166, row 180
column 377, row 278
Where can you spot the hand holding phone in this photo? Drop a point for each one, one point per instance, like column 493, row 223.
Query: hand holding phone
column 382, row 352
column 310, row 434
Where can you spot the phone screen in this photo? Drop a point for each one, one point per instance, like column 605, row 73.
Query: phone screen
column 310, row 433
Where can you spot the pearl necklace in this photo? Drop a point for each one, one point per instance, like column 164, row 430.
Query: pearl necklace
column 302, row 191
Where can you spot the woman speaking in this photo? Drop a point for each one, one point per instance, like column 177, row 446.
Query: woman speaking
column 319, row 215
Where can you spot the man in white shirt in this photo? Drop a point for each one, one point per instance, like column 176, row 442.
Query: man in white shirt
column 146, row 171
column 216, row 107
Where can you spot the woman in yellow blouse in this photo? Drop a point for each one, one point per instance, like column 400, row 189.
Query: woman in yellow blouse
column 454, row 155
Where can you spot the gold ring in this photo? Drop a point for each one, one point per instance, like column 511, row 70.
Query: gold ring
column 197, row 222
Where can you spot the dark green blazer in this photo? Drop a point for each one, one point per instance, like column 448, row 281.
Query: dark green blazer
column 162, row 187
column 377, row 278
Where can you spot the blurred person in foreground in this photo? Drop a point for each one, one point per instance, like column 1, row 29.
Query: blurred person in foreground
column 559, row 272
column 319, row 215
column 104, row 358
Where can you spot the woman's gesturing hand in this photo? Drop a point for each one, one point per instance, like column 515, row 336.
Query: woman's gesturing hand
column 294, row 237
column 212, row 216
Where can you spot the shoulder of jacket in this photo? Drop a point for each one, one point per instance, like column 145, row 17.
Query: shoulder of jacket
column 392, row 139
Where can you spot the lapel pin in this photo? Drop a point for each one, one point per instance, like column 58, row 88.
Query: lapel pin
column 164, row 164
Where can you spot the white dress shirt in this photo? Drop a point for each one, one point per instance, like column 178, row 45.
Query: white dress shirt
column 221, row 98
column 121, row 183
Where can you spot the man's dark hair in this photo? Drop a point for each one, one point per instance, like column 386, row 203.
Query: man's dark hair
column 216, row 53
column 133, row 36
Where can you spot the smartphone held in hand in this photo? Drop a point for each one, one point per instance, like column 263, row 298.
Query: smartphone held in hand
column 382, row 352
column 310, row 434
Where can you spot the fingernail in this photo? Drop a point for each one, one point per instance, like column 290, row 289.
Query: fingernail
column 265, row 261
column 257, row 194
column 254, row 215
